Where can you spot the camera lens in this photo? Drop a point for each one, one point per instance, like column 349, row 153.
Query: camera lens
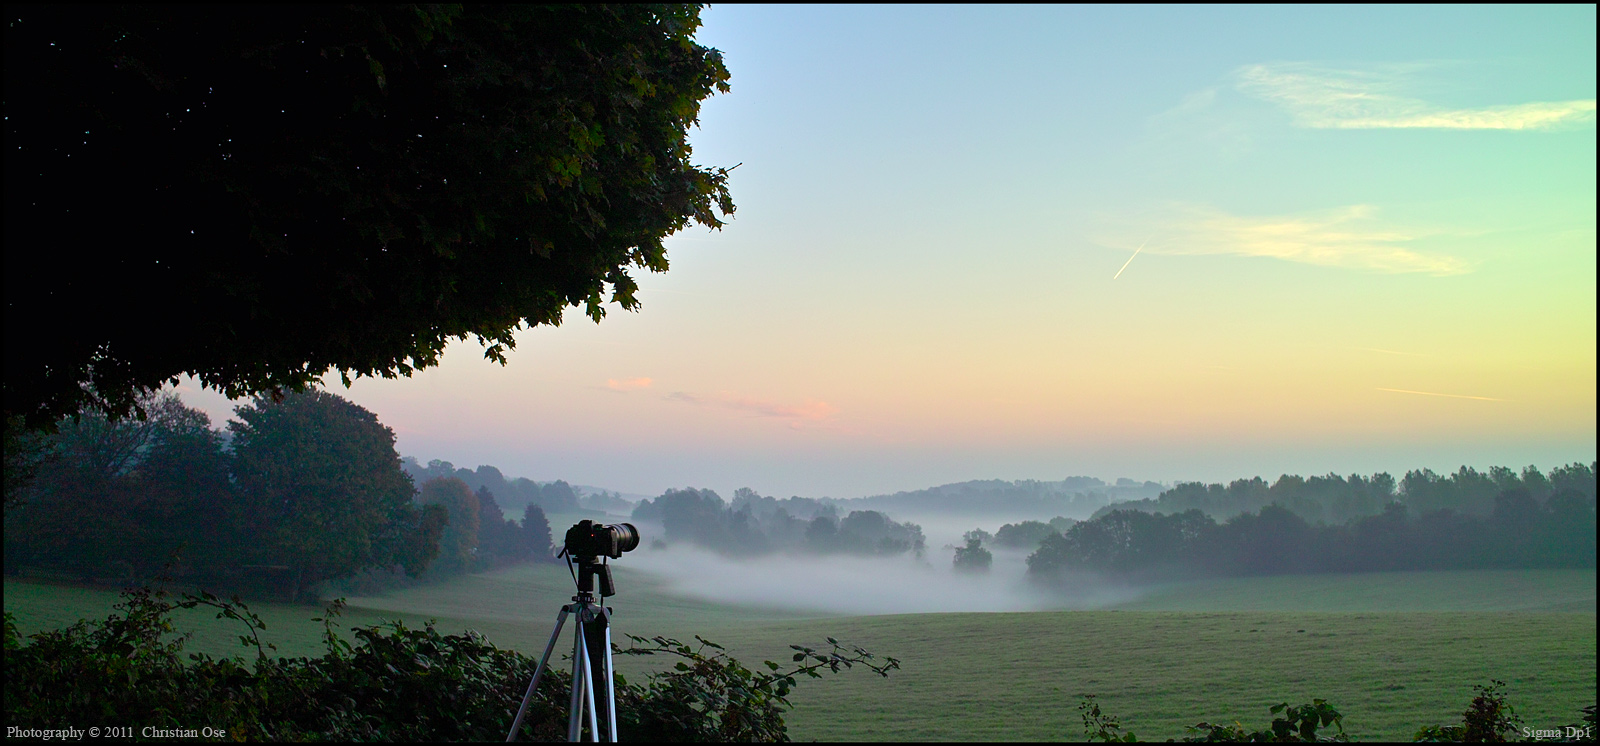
column 626, row 535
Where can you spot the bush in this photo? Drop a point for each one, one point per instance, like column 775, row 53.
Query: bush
column 1488, row 719
column 392, row 683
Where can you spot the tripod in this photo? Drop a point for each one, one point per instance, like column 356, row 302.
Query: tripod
column 591, row 657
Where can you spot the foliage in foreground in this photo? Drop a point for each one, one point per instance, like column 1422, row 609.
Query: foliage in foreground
column 1490, row 718
column 392, row 683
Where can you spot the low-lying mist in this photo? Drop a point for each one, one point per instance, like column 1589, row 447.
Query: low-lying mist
column 841, row 584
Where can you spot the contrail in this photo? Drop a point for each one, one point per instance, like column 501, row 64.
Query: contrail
column 1452, row 396
column 1391, row 352
column 1130, row 260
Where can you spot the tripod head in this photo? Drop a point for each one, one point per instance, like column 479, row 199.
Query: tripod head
column 589, row 568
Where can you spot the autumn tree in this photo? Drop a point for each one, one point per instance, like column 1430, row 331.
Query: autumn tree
column 259, row 195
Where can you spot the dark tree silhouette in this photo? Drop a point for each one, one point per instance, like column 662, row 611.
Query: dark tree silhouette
column 973, row 557
column 258, row 195
column 536, row 534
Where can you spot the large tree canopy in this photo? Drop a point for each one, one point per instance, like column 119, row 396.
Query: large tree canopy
column 258, row 195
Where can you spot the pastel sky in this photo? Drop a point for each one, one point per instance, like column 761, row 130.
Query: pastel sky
column 1168, row 243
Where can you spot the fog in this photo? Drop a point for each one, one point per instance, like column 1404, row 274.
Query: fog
column 851, row 585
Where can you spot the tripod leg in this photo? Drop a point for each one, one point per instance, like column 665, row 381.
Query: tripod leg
column 588, row 692
column 611, row 690
column 596, row 623
column 527, row 699
column 580, row 682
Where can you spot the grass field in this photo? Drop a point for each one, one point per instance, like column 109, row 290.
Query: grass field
column 1391, row 651
column 1483, row 590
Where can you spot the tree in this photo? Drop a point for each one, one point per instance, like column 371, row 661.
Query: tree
column 1023, row 535
column 26, row 452
column 458, row 546
column 536, row 534
column 326, row 494
column 872, row 532
column 120, row 497
column 558, row 496
column 691, row 515
column 188, row 506
column 822, row 534
column 1273, row 540
column 497, row 537
column 973, row 557
column 271, row 193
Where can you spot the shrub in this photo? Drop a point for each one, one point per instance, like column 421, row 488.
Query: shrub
column 1488, row 719
column 392, row 683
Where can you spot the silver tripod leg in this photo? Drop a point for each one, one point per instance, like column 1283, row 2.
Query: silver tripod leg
column 527, row 699
column 579, row 683
column 588, row 689
column 611, row 689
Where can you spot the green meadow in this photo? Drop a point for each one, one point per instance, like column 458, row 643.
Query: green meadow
column 1391, row 651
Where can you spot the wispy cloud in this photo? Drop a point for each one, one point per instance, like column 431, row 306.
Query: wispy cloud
column 1350, row 237
column 628, row 384
column 1450, row 396
column 1375, row 98
column 812, row 410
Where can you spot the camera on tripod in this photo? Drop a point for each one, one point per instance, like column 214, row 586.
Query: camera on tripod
column 593, row 691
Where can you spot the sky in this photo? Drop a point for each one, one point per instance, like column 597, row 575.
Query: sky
column 1163, row 243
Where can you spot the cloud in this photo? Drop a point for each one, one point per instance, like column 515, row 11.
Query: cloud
column 1348, row 237
column 811, row 410
column 628, row 384
column 1205, row 116
column 1324, row 98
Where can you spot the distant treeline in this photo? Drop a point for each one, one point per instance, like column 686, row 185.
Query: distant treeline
column 478, row 536
column 997, row 497
column 1336, row 500
column 1021, row 535
column 1534, row 520
column 754, row 525
column 554, row 497
column 296, row 492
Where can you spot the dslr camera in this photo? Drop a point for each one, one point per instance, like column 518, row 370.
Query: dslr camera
column 588, row 539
